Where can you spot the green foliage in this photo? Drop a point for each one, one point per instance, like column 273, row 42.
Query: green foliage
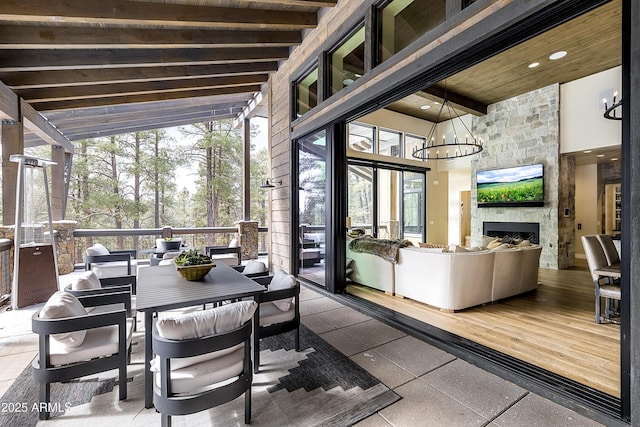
column 521, row 191
column 191, row 257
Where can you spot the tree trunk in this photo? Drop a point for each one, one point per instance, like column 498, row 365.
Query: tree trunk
column 114, row 177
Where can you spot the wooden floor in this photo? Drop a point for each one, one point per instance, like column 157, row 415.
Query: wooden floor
column 553, row 327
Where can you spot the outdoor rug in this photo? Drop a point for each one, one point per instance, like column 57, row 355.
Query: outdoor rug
column 317, row 386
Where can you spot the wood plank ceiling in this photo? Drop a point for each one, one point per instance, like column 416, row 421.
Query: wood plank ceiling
column 105, row 67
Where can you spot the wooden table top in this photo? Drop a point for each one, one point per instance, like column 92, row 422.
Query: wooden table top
column 163, row 288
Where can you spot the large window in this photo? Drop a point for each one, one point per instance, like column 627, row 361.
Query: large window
column 307, row 92
column 403, row 21
column 347, row 61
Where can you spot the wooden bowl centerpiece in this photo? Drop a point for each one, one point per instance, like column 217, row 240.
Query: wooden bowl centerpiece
column 192, row 265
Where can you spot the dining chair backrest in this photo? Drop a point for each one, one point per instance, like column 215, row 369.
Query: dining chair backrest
column 595, row 254
column 609, row 248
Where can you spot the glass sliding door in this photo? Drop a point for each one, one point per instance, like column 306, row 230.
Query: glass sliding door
column 312, row 207
column 413, row 211
column 360, row 198
column 388, row 224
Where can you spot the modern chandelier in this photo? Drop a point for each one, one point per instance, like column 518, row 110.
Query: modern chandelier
column 448, row 148
column 610, row 111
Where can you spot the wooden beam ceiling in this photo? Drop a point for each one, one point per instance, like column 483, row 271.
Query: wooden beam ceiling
column 102, row 67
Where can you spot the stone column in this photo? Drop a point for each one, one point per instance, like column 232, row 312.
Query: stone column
column 394, row 229
column 65, row 245
column 248, row 238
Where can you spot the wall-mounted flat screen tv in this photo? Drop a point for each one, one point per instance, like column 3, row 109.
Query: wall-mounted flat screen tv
column 518, row 186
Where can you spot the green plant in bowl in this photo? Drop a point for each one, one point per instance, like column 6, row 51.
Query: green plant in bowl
column 192, row 257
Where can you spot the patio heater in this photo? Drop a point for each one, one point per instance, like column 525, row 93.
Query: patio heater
column 35, row 269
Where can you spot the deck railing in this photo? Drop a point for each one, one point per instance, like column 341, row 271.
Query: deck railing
column 144, row 239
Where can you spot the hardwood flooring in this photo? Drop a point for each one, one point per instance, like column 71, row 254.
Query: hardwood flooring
column 553, row 327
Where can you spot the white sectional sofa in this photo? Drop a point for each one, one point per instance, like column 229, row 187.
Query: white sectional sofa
column 371, row 270
column 447, row 280
column 451, row 280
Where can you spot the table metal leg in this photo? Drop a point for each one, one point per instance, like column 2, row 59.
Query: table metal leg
column 148, row 355
column 256, row 337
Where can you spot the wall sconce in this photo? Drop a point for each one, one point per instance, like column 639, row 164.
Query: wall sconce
column 270, row 183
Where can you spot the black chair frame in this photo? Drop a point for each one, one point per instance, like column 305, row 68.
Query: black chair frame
column 222, row 250
column 123, row 255
column 240, row 269
column 169, row 404
column 44, row 373
column 277, row 328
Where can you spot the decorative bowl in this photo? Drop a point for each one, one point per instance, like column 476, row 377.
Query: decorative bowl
column 194, row 272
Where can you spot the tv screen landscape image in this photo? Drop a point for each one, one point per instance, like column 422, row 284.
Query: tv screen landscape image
column 517, row 186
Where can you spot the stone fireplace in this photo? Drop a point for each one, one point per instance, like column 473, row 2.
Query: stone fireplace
column 513, row 230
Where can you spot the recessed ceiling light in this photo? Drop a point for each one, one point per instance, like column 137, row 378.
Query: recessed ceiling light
column 558, row 55
column 600, row 155
column 425, row 107
column 586, row 151
column 613, row 159
column 534, row 64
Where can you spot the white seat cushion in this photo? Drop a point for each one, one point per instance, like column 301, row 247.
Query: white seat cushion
column 229, row 259
column 282, row 280
column 254, row 266
column 205, row 374
column 114, row 269
column 98, row 342
column 270, row 314
column 62, row 305
column 86, row 281
column 206, row 322
column 183, row 362
column 97, row 249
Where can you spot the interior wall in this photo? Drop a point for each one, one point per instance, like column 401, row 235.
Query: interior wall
column 458, row 181
column 581, row 110
column 587, row 220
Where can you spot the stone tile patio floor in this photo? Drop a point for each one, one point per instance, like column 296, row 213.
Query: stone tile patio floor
column 436, row 388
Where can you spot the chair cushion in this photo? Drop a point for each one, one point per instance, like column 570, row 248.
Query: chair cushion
column 169, row 261
column 114, row 269
column 183, row 362
column 86, row 281
column 253, row 267
column 192, row 378
column 282, row 280
column 97, row 249
column 234, row 243
column 61, row 305
column 206, row 322
column 270, row 314
column 98, row 342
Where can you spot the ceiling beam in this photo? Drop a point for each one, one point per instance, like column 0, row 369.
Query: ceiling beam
column 306, row 3
column 38, row 124
column 94, row 113
column 459, row 102
column 9, row 103
column 118, row 12
column 78, row 77
column 74, row 125
column 148, row 97
column 127, row 89
column 152, row 123
column 59, row 59
column 47, row 37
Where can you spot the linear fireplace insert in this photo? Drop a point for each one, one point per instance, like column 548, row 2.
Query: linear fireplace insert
column 512, row 230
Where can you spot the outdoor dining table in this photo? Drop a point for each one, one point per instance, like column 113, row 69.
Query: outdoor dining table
column 162, row 288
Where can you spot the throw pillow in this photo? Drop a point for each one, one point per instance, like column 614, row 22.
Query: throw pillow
column 206, row 322
column 524, row 243
column 61, row 305
column 431, row 245
column 282, row 280
column 254, row 266
column 494, row 244
column 97, row 249
column 86, row 281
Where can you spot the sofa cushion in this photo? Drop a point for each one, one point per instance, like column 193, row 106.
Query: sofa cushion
column 97, row 249
column 254, row 267
column 282, row 280
column 61, row 305
column 493, row 244
column 524, row 243
column 206, row 322
column 86, row 281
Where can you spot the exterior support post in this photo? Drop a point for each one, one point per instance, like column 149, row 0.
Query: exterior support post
column 12, row 143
